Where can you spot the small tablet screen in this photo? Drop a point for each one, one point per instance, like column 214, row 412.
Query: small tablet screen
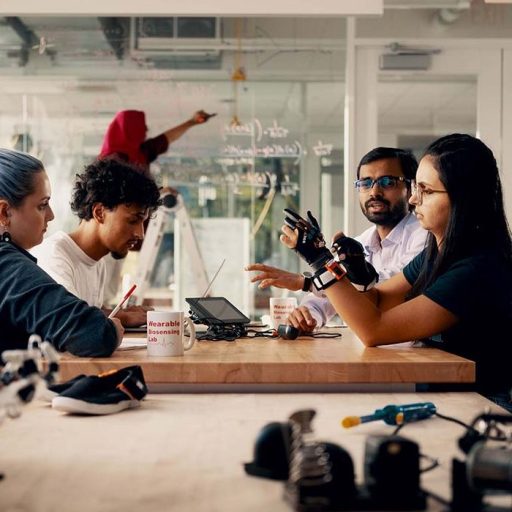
column 216, row 310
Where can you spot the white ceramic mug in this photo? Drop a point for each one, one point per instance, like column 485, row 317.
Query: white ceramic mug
column 166, row 333
column 280, row 308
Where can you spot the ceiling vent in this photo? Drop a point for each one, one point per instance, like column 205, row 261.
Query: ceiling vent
column 402, row 57
column 177, row 42
column 404, row 62
column 177, row 34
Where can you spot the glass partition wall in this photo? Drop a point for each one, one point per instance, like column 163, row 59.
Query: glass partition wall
column 276, row 85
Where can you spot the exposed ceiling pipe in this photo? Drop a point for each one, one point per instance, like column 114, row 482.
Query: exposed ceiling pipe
column 29, row 40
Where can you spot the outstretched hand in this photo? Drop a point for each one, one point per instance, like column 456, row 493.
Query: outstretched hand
column 201, row 117
column 272, row 276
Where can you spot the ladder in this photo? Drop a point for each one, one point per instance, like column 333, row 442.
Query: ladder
column 153, row 240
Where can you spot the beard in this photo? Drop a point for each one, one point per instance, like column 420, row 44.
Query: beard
column 118, row 255
column 389, row 216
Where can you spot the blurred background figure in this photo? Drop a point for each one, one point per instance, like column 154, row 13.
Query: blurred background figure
column 126, row 137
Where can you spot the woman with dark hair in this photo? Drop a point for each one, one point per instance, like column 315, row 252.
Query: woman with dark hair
column 31, row 302
column 459, row 289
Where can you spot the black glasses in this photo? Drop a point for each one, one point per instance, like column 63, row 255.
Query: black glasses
column 385, row 182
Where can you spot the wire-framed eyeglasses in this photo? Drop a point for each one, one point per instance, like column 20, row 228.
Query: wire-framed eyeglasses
column 385, row 182
column 419, row 190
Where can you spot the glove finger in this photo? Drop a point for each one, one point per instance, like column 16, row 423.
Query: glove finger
column 304, row 225
column 293, row 214
column 348, row 246
column 338, row 241
column 291, row 223
column 313, row 221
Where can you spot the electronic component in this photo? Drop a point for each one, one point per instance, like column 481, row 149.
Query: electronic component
column 288, row 332
column 215, row 311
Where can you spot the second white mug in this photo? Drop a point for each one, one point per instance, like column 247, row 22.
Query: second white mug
column 280, row 308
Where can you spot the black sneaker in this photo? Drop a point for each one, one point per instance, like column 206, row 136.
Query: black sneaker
column 49, row 393
column 106, row 393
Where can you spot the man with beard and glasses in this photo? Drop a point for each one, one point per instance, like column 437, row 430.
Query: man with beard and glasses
column 383, row 183
column 112, row 199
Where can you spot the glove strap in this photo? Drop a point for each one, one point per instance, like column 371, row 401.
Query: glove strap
column 329, row 274
column 366, row 287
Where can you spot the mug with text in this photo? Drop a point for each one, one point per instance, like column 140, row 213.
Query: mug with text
column 166, row 333
column 280, row 308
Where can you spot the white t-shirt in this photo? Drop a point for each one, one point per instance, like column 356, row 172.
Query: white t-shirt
column 389, row 257
column 61, row 258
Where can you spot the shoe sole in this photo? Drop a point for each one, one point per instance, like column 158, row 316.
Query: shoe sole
column 46, row 395
column 72, row 405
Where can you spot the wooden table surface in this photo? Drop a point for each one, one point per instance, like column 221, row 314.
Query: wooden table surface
column 307, row 361
column 186, row 452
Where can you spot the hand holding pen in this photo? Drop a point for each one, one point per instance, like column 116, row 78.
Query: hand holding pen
column 127, row 295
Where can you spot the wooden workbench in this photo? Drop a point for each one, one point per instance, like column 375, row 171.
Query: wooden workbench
column 263, row 364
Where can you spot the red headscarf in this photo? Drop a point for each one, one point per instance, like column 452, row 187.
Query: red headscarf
column 125, row 134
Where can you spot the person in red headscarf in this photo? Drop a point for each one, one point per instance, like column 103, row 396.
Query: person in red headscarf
column 126, row 137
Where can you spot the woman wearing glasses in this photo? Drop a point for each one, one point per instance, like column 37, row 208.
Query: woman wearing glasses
column 460, row 286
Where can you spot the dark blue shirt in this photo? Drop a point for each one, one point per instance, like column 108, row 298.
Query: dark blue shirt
column 31, row 302
column 478, row 291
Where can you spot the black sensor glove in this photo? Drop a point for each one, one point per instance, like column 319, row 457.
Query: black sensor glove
column 351, row 255
column 310, row 243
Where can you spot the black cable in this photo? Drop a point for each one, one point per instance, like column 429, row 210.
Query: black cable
column 437, row 498
column 455, row 420
column 397, row 429
column 268, row 333
column 223, row 332
column 230, row 332
column 471, row 428
column 434, row 463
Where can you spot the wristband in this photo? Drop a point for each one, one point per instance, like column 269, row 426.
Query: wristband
column 308, row 281
column 328, row 275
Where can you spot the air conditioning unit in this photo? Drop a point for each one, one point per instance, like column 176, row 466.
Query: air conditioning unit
column 186, row 35
column 409, row 61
